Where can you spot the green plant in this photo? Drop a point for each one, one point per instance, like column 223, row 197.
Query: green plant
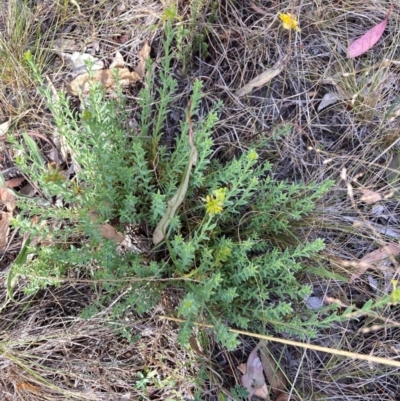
column 151, row 378
column 190, row 35
column 229, row 249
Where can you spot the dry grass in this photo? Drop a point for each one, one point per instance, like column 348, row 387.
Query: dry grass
column 48, row 352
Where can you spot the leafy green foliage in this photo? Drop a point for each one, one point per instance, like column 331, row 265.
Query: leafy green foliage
column 230, row 249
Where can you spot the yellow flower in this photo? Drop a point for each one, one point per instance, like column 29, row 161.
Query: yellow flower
column 252, row 155
column 215, row 202
column 289, row 21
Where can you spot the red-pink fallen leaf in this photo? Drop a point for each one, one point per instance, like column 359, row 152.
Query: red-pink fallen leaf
column 275, row 376
column 382, row 253
column 253, row 377
column 369, row 39
column 261, row 392
column 14, row 182
column 7, row 199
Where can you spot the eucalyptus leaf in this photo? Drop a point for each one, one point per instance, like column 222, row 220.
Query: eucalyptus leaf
column 329, row 99
column 174, row 203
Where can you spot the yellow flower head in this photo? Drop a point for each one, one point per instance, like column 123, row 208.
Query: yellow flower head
column 215, row 202
column 252, row 155
column 289, row 21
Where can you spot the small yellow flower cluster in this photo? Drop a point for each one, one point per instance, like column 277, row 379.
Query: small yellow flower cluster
column 252, row 155
column 215, row 202
column 289, row 22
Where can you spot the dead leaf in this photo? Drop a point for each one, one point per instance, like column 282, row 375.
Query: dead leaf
column 106, row 77
column 381, row 253
column 261, row 80
column 28, row 190
column 61, row 144
column 196, row 347
column 4, row 127
column 253, row 374
column 373, row 282
column 253, row 377
column 378, row 256
column 274, row 375
column 370, row 197
column 78, row 62
column 328, row 99
column 369, row 39
column 5, row 220
column 14, row 182
column 173, row 204
column 7, row 198
column 143, row 54
column 109, row 232
column 118, row 61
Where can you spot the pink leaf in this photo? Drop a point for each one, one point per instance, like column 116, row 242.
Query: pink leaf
column 369, row 39
column 253, row 379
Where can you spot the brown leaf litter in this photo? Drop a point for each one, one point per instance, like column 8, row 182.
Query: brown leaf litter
column 7, row 200
column 109, row 232
column 106, row 77
column 261, row 79
column 109, row 77
column 373, row 260
column 254, row 371
column 370, row 197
